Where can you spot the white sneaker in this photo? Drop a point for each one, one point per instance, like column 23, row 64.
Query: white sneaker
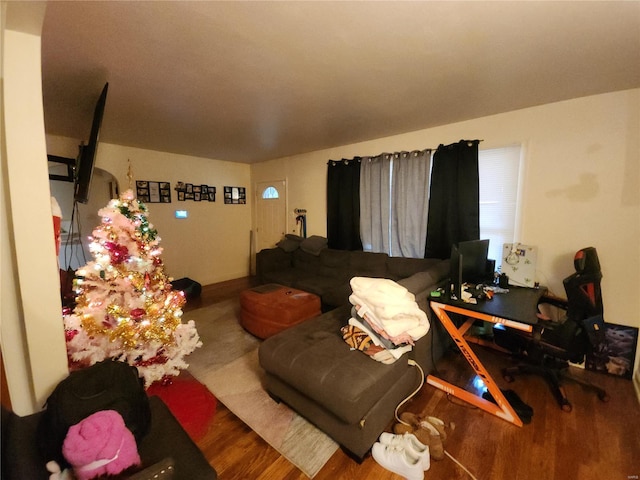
column 410, row 442
column 398, row 460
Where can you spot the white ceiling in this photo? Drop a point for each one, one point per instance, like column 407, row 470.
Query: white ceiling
column 249, row 81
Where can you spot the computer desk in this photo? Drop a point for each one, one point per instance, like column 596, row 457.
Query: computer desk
column 514, row 309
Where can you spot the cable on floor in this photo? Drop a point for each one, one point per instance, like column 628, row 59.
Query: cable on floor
column 415, row 364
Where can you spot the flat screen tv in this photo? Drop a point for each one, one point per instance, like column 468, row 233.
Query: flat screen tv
column 87, row 155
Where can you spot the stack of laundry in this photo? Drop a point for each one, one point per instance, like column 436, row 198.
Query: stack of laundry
column 385, row 319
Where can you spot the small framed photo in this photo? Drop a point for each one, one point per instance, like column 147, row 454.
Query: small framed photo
column 153, row 192
column 235, row 195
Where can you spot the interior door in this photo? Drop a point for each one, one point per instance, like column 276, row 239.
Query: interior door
column 271, row 218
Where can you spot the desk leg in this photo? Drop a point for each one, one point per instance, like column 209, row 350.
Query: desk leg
column 503, row 409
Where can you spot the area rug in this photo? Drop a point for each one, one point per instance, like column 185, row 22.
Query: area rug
column 227, row 364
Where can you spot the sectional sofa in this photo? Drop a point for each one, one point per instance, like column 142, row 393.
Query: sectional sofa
column 309, row 367
column 307, row 264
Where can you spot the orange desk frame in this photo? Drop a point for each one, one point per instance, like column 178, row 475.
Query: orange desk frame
column 503, row 409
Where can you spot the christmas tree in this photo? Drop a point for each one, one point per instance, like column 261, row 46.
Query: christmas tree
column 126, row 308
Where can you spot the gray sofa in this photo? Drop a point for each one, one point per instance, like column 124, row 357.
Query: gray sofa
column 309, row 367
column 308, row 265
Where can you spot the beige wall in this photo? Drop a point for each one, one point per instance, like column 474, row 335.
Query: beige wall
column 32, row 333
column 581, row 184
column 212, row 244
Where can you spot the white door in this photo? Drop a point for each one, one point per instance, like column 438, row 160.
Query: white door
column 271, row 218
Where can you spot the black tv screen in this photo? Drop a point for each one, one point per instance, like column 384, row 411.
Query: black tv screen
column 87, row 156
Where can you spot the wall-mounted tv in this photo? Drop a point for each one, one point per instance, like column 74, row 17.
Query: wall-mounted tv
column 87, row 156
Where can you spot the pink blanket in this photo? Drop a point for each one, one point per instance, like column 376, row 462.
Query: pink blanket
column 100, row 444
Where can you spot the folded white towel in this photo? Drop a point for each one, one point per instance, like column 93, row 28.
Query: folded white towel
column 380, row 286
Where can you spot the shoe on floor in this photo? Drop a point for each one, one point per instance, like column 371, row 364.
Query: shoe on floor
column 426, row 433
column 398, row 460
column 408, row 441
column 413, row 419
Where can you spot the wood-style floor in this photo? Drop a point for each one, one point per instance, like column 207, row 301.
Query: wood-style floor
column 596, row 441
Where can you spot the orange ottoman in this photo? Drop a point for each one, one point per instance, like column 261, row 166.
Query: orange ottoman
column 269, row 309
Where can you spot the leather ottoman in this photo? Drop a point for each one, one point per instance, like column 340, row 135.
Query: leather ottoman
column 271, row 308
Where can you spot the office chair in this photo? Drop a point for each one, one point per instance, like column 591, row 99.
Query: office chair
column 548, row 350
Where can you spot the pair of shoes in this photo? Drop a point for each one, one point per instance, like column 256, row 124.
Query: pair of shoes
column 524, row 411
column 408, row 441
column 428, row 430
column 398, row 460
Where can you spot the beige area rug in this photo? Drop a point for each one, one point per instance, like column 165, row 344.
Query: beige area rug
column 227, row 363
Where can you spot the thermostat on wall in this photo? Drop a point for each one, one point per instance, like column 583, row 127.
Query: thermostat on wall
column 181, row 214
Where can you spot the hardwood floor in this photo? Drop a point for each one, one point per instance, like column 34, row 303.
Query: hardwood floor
column 596, row 441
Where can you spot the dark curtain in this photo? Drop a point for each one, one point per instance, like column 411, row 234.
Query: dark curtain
column 454, row 211
column 343, row 205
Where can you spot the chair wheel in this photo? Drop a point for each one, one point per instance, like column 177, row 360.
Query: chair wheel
column 603, row 397
column 567, row 407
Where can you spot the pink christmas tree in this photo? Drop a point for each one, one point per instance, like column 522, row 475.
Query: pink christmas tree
column 126, row 308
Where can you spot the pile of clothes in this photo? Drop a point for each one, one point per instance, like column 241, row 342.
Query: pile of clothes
column 385, row 319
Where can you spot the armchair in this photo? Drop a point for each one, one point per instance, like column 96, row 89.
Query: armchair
column 548, row 350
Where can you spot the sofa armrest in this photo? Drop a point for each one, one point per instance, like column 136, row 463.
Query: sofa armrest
column 270, row 260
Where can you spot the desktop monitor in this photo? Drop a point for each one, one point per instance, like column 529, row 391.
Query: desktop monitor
column 468, row 263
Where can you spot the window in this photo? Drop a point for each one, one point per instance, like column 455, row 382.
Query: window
column 499, row 170
column 270, row 192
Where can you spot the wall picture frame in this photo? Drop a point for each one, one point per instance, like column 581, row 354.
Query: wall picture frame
column 195, row 192
column 235, row 195
column 148, row 191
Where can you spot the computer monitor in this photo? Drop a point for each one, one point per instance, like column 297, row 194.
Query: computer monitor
column 455, row 272
column 468, row 263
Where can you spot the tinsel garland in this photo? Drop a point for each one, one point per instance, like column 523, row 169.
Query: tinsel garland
column 125, row 299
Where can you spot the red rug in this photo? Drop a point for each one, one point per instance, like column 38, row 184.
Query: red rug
column 190, row 402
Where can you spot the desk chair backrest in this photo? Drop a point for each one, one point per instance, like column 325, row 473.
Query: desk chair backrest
column 584, row 296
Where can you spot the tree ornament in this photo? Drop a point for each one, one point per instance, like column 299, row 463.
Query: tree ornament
column 126, row 308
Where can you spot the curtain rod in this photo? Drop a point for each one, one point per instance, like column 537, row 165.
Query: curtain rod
column 357, row 159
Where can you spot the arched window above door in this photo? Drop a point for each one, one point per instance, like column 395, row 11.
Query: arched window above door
column 270, row 192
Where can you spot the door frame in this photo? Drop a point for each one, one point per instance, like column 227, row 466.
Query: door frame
column 256, row 209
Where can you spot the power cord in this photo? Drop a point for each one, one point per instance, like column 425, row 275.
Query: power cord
column 415, row 364
column 460, row 465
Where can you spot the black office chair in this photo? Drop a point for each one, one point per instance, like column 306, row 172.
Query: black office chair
column 548, row 350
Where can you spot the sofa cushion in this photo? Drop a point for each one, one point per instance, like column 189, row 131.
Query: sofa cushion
column 314, row 244
column 336, row 296
column 368, row 264
column 288, row 245
column 313, row 357
column 271, row 259
column 400, row 267
column 306, row 262
column 313, row 283
column 335, row 263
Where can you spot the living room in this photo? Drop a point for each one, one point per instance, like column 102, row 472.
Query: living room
column 580, row 188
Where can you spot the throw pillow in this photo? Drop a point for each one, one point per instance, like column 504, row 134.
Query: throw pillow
column 313, row 245
column 288, row 245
